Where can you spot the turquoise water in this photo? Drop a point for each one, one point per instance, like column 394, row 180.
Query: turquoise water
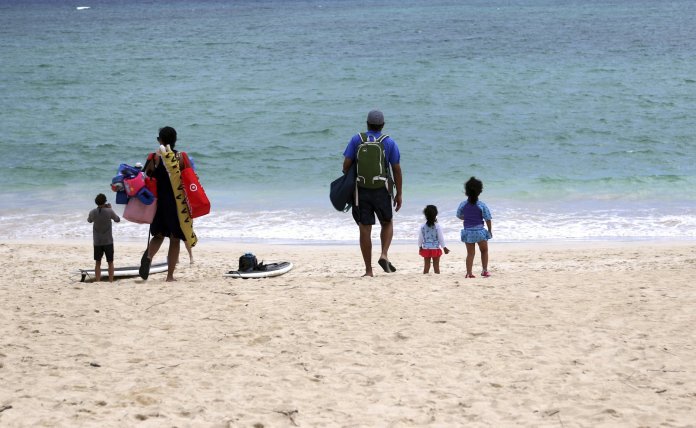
column 578, row 116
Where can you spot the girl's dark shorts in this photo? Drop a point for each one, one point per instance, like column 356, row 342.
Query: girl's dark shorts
column 371, row 202
column 101, row 250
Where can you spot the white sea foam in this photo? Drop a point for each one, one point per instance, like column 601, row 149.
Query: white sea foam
column 304, row 226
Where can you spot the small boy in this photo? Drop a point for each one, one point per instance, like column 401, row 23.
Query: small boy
column 101, row 230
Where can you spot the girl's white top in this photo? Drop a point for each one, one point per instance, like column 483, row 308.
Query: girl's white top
column 431, row 237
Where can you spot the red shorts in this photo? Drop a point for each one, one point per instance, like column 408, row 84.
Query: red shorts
column 430, row 254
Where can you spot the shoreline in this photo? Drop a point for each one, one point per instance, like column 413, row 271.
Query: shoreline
column 569, row 242
column 320, row 225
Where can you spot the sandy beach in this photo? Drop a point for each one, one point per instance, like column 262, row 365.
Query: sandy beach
column 564, row 334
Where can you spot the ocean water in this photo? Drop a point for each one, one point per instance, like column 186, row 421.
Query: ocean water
column 577, row 115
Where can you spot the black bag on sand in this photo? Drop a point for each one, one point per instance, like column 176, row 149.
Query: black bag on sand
column 342, row 190
column 247, row 263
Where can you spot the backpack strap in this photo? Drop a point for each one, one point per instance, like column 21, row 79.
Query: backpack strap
column 364, row 138
column 185, row 163
column 389, row 183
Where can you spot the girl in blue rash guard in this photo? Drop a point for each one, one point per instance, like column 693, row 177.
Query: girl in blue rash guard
column 474, row 213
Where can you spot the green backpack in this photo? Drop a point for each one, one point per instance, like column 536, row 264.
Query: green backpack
column 372, row 169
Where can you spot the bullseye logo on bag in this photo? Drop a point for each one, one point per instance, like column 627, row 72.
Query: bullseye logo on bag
column 193, row 187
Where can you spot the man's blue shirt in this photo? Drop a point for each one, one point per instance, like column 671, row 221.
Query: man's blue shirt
column 391, row 150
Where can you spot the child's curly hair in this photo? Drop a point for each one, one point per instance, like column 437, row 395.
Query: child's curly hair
column 473, row 189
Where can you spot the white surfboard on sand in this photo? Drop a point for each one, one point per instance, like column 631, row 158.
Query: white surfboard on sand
column 266, row 271
column 123, row 271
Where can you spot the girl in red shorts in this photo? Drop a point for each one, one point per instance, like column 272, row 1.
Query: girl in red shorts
column 431, row 240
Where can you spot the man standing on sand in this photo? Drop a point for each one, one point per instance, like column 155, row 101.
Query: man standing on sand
column 374, row 154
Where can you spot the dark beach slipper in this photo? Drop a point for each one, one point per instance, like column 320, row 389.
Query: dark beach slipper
column 384, row 264
column 391, row 267
column 144, row 270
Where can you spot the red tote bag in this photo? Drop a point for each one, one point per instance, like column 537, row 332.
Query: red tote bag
column 198, row 202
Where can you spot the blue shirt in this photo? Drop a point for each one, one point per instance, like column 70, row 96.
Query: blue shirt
column 391, row 150
column 473, row 215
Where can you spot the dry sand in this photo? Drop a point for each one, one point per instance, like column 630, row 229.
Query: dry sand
column 566, row 335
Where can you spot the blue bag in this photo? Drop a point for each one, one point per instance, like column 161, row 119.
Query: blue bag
column 121, row 197
column 342, row 190
column 128, row 171
column 145, row 196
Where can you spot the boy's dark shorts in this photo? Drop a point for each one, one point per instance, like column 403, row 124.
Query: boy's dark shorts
column 100, row 250
column 371, row 202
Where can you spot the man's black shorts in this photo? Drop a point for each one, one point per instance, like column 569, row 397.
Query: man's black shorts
column 371, row 202
column 100, row 250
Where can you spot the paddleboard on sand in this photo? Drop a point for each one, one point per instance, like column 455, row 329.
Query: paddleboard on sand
column 262, row 271
column 123, row 271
